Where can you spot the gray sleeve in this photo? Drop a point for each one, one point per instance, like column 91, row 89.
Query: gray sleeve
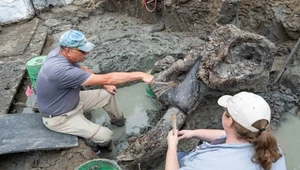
column 73, row 77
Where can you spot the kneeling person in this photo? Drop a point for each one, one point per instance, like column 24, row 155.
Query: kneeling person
column 60, row 100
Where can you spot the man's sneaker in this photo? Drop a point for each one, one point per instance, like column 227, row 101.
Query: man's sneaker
column 91, row 144
column 96, row 147
column 108, row 147
column 118, row 122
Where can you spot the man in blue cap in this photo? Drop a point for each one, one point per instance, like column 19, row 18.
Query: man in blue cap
column 60, row 100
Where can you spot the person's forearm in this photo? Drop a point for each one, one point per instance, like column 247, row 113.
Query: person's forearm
column 171, row 159
column 122, row 77
column 114, row 78
column 208, row 134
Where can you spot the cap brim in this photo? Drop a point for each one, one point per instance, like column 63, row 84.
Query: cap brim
column 87, row 47
column 222, row 101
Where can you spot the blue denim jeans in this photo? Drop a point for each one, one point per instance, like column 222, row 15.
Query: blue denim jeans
column 180, row 155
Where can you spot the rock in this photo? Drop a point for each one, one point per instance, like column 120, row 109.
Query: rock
column 287, row 14
column 168, row 3
column 163, row 64
column 276, row 95
column 288, row 91
column 42, row 4
column 15, row 11
column 279, row 103
column 288, row 98
column 293, row 111
column 290, row 105
column 155, row 28
column 52, row 22
column 80, row 2
column 291, row 78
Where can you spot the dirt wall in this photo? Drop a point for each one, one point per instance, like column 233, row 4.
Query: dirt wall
column 277, row 20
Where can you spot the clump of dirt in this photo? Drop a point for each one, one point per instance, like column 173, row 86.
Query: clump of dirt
column 155, row 115
column 48, row 160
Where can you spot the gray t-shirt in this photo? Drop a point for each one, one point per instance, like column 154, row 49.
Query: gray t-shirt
column 224, row 156
column 58, row 84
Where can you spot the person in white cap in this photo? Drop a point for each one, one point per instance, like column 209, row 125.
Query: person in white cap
column 244, row 144
column 60, row 99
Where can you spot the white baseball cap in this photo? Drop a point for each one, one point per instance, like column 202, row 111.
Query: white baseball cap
column 246, row 108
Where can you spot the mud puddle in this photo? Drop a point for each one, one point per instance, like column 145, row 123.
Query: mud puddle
column 134, row 102
column 288, row 142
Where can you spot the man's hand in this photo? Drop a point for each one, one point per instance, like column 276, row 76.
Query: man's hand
column 148, row 78
column 110, row 88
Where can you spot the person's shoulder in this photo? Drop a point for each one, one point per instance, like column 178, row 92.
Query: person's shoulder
column 55, row 63
column 53, row 53
column 221, row 145
column 55, row 59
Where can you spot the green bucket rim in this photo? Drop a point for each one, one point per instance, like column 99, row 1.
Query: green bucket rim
column 86, row 164
column 36, row 61
column 149, row 91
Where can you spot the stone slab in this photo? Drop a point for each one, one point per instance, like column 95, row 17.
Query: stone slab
column 14, row 39
column 11, row 76
column 26, row 132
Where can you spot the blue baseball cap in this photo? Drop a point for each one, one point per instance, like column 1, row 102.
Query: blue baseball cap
column 76, row 39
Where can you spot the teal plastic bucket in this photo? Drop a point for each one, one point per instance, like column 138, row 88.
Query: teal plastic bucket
column 33, row 67
column 99, row 164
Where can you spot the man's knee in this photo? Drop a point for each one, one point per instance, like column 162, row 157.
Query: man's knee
column 105, row 97
column 103, row 136
column 104, row 94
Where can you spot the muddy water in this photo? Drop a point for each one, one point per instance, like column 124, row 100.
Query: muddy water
column 134, row 102
column 288, row 136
